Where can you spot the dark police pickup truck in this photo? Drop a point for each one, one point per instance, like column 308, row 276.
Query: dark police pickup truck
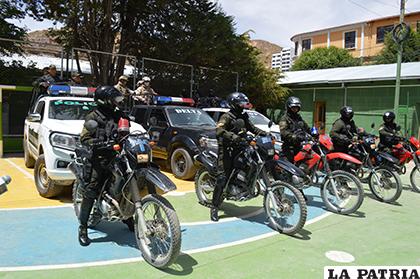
column 180, row 133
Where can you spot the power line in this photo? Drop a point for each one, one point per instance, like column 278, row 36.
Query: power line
column 364, row 8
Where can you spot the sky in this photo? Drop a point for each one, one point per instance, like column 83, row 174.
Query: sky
column 278, row 20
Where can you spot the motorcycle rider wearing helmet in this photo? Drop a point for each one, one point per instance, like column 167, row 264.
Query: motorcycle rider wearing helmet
column 229, row 139
column 106, row 116
column 344, row 130
column 389, row 132
column 292, row 128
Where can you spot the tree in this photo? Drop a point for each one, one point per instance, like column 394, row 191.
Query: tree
column 324, row 58
column 411, row 50
column 10, row 10
column 195, row 32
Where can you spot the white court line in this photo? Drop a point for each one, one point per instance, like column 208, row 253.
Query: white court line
column 139, row 259
column 22, row 170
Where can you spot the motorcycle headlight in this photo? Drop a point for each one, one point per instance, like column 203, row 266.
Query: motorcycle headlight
column 373, row 146
column 143, row 158
column 208, row 143
column 64, row 141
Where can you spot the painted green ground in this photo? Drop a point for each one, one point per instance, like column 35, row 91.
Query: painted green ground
column 381, row 234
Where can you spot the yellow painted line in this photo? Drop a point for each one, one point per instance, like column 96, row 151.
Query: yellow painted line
column 22, row 192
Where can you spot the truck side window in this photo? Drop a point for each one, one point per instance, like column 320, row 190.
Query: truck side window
column 160, row 116
column 40, row 109
column 140, row 115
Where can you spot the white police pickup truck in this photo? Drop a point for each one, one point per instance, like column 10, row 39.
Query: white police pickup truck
column 52, row 129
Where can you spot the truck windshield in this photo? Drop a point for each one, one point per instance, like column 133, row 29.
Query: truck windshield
column 190, row 117
column 70, row 109
column 257, row 118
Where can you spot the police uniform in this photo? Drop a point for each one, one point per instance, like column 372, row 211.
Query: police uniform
column 107, row 130
column 389, row 135
column 290, row 126
column 228, row 140
column 342, row 133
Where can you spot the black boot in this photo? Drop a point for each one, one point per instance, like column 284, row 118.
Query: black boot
column 83, row 236
column 214, row 214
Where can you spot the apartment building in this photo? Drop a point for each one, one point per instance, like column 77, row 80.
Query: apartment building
column 283, row 60
column 362, row 39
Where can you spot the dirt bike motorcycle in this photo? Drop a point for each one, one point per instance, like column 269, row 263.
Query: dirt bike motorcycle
column 341, row 191
column 133, row 194
column 405, row 151
column 284, row 205
column 384, row 182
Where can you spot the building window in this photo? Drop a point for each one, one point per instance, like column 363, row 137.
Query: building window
column 306, row 44
column 296, row 47
column 381, row 32
column 350, row 40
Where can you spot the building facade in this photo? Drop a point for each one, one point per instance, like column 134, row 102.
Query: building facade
column 283, row 60
column 362, row 39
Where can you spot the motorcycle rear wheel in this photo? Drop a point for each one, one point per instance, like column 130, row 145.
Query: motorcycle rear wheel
column 163, row 234
column 288, row 214
column 348, row 186
column 385, row 190
column 77, row 193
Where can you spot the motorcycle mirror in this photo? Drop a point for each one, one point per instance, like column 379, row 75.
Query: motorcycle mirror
column 153, row 121
column 91, row 125
column 372, row 125
column 239, row 124
column 270, row 124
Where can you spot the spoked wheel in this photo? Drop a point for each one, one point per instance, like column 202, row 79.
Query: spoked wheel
column 385, row 185
column 204, row 186
column 94, row 217
column 162, row 240
column 342, row 193
column 285, row 207
column 415, row 179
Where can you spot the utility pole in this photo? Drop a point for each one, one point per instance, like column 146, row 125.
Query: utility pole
column 399, row 58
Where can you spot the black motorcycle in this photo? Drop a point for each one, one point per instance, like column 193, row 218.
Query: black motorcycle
column 132, row 194
column 284, row 205
column 384, row 182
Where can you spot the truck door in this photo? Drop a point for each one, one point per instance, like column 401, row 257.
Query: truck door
column 34, row 123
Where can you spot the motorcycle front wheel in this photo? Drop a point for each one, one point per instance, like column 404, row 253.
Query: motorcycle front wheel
column 285, row 207
column 161, row 244
column 348, row 196
column 385, row 185
column 415, row 179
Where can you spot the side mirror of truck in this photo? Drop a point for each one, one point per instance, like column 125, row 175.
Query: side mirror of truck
column 34, row 117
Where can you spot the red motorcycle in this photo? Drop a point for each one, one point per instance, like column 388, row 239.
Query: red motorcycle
column 342, row 192
column 406, row 151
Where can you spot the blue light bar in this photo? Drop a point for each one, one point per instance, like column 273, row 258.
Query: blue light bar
column 55, row 90
column 165, row 100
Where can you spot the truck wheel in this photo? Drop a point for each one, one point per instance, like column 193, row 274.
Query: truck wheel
column 182, row 165
column 45, row 186
column 29, row 160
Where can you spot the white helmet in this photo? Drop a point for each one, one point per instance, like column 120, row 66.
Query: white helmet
column 146, row 79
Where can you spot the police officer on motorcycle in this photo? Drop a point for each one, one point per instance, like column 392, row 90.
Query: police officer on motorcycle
column 106, row 116
column 293, row 128
column 229, row 140
column 344, row 130
column 389, row 132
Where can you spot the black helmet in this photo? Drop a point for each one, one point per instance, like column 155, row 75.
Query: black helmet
column 238, row 101
column 293, row 102
column 346, row 113
column 108, row 96
column 388, row 117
